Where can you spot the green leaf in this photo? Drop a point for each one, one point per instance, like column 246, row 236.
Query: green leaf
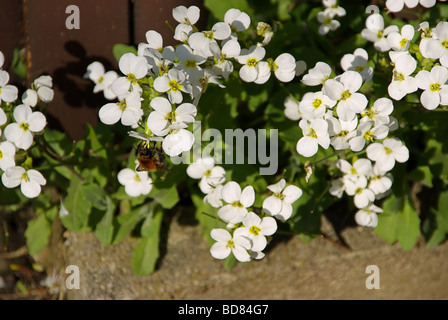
column 19, row 63
column 78, row 206
column 167, row 198
column 124, row 224
column 408, row 230
column 37, row 234
column 399, row 222
column 120, row 49
column 105, row 228
column 436, row 225
column 95, row 195
column 146, row 253
column 422, row 174
column 97, row 147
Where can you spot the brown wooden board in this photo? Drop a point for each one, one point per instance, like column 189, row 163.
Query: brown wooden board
column 64, row 54
column 11, row 32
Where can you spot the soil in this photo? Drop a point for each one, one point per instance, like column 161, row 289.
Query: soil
column 291, row 270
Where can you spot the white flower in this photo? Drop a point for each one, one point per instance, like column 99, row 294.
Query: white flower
column 386, row 153
column 436, row 48
column 379, row 112
column 337, row 188
column 238, row 202
column 292, row 111
column 265, row 30
column 256, row 230
column 3, row 118
column 317, row 75
column 8, row 93
column 341, row 132
column 315, row 104
column 103, row 80
column 357, row 187
column 204, row 169
column 279, row 205
column 368, row 217
column 357, row 62
column 174, row 83
column 402, row 83
column 135, row 183
column 200, row 41
column 214, row 191
column 398, row 5
column 379, row 181
column 434, row 85
column 154, row 41
column 343, row 89
column 185, row 15
column 164, row 116
column 134, row 67
column 7, row 154
column 376, row 33
column 30, row 181
column 27, row 122
column 361, row 167
column 284, row 67
column 250, row 58
column 367, row 132
column 315, row 133
column 333, row 8
column 2, row 59
column 238, row 20
column 230, row 49
column 177, row 140
column 190, row 62
column 327, row 22
column 183, row 32
column 238, row 245
column 400, row 41
column 128, row 110
column 159, row 61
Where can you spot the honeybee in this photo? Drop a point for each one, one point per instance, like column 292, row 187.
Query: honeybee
column 149, row 158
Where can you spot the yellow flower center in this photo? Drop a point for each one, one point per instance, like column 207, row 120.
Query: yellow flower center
column 311, row 133
column 209, row 34
column 345, row 95
column 230, row 244
column 434, row 87
column 122, row 105
column 24, row 126
column 380, row 33
column 251, row 62
column 279, row 195
column 207, row 173
column 317, row 103
column 398, row 76
column 403, row 42
column 368, row 136
column 237, row 204
column 189, row 63
column 100, row 79
column 25, row 177
column 445, row 44
column 353, row 171
column 254, row 230
column 137, row 178
column 343, row 133
column 387, row 150
column 174, row 85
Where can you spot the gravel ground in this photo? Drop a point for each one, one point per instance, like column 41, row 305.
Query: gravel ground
column 291, row 270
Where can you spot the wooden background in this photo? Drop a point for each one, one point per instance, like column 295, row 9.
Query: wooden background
column 39, row 27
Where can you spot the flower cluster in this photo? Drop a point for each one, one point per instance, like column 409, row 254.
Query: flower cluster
column 159, row 91
column 328, row 18
column 246, row 232
column 19, row 124
column 423, row 66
